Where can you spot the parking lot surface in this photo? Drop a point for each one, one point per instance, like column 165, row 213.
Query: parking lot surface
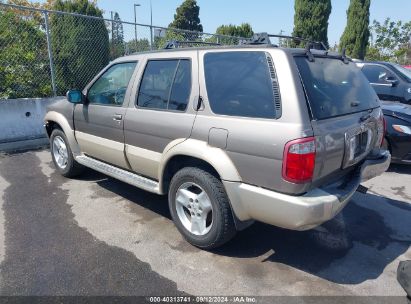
column 98, row 236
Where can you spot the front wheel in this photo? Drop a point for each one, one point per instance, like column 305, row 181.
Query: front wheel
column 62, row 156
column 200, row 208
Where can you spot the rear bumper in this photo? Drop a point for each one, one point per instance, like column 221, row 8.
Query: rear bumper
column 301, row 212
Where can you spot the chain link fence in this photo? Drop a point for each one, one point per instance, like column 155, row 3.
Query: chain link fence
column 44, row 53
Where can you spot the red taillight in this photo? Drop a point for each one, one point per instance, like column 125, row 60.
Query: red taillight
column 299, row 160
column 382, row 128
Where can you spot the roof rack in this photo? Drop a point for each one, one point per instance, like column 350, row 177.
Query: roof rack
column 257, row 38
column 264, row 38
column 175, row 44
column 344, row 57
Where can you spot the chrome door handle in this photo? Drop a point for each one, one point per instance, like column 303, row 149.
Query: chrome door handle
column 117, row 117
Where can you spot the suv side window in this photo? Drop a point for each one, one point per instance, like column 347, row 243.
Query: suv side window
column 240, row 84
column 166, row 85
column 376, row 74
column 111, row 87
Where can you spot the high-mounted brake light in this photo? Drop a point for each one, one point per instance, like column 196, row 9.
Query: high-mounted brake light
column 299, row 160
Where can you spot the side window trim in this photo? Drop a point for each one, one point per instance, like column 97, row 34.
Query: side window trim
column 276, row 86
column 172, row 85
column 140, row 82
column 98, row 77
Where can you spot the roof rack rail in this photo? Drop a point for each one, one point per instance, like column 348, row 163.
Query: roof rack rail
column 344, row 57
column 264, row 38
column 175, row 44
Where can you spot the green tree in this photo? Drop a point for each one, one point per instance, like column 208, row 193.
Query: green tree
column 392, row 40
column 24, row 65
column 356, row 33
column 244, row 30
column 80, row 45
column 374, row 54
column 140, row 46
column 187, row 17
column 117, row 48
column 311, row 20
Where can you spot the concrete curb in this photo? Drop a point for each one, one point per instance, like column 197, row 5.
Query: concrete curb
column 21, row 123
column 23, row 145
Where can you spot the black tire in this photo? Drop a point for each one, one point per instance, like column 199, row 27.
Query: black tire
column 72, row 168
column 223, row 226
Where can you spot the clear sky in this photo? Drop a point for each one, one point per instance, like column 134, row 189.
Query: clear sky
column 264, row 15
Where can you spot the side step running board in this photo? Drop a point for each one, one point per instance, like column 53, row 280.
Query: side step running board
column 120, row 174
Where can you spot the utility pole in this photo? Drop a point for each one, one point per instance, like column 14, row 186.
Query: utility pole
column 135, row 24
column 112, row 32
column 112, row 24
column 280, row 40
column 151, row 23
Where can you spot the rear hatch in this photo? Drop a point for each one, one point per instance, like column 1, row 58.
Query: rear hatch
column 346, row 117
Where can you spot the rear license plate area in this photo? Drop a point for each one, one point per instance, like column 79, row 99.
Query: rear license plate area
column 357, row 146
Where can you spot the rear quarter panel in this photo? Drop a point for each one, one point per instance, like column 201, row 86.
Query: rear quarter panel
column 254, row 145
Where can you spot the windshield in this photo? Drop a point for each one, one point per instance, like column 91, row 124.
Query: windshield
column 403, row 71
column 334, row 88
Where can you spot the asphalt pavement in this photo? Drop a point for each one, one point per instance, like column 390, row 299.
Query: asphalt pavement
column 94, row 235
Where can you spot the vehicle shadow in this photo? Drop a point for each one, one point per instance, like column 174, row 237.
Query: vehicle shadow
column 377, row 226
column 402, row 169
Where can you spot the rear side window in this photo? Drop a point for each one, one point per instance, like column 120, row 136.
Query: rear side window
column 166, row 85
column 240, row 84
column 334, row 88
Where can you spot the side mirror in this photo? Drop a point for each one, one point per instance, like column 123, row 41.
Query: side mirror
column 74, row 96
column 392, row 80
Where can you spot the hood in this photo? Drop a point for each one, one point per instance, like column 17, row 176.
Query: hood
column 396, row 109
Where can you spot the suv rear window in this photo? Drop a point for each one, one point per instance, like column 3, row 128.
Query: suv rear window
column 239, row 84
column 334, row 88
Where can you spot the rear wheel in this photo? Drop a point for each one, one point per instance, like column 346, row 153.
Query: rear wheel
column 62, row 156
column 200, row 208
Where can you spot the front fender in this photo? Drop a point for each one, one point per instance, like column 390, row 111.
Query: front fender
column 61, row 120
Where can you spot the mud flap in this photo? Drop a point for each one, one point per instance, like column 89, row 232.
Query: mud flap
column 362, row 189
